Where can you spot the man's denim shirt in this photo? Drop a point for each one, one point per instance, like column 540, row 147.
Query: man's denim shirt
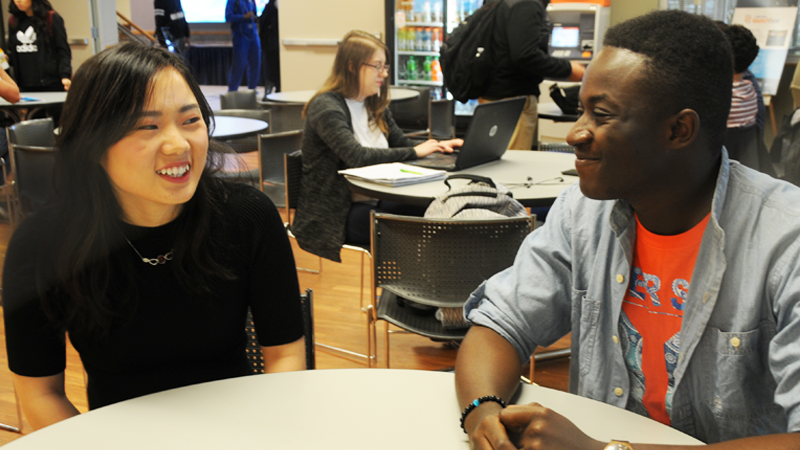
column 738, row 372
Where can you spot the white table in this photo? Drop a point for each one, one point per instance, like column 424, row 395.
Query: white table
column 396, row 93
column 552, row 112
column 31, row 107
column 320, row 409
column 227, row 127
column 511, row 170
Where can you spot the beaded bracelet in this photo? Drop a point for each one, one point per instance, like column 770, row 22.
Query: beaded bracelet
column 475, row 403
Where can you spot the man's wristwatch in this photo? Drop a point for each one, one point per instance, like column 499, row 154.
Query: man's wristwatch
column 618, row 445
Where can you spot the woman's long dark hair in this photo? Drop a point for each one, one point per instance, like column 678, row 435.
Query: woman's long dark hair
column 108, row 93
column 39, row 19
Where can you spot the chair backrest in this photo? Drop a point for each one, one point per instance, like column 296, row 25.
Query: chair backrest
column 250, row 143
column 37, row 133
column 293, row 178
column 746, row 145
column 442, row 119
column 271, row 148
column 33, row 176
column 285, row 116
column 253, row 349
column 439, row 262
column 246, row 99
column 412, row 114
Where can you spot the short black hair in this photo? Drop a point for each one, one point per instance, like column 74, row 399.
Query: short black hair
column 688, row 65
column 743, row 44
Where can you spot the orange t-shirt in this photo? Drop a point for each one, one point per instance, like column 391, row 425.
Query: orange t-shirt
column 652, row 312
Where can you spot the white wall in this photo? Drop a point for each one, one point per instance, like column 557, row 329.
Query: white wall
column 308, row 67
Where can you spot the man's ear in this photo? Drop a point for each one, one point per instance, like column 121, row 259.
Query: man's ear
column 684, row 128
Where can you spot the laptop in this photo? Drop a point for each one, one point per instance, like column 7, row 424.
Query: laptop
column 486, row 140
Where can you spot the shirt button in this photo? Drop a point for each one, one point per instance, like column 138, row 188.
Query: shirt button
column 735, row 342
column 618, row 392
column 616, row 339
column 620, row 278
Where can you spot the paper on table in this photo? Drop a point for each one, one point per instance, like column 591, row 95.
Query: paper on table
column 394, row 174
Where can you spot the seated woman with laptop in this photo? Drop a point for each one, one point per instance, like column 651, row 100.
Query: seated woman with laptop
column 145, row 259
column 348, row 125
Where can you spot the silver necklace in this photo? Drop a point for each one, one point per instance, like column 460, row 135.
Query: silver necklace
column 160, row 259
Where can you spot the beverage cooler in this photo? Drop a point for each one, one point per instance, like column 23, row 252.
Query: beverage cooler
column 415, row 30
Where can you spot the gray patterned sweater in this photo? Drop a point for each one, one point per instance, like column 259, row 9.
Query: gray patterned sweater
column 329, row 145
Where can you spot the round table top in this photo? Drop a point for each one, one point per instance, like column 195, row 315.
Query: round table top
column 330, row 409
column 396, row 93
column 30, row 99
column 227, row 127
column 512, row 170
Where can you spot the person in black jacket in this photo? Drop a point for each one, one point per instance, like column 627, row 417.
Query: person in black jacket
column 37, row 47
column 268, row 33
column 521, row 36
column 171, row 24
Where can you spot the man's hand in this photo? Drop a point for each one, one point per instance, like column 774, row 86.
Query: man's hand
column 249, row 15
column 577, row 71
column 67, row 83
column 489, row 433
column 535, row 427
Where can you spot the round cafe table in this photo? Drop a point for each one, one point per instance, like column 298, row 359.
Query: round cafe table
column 319, row 409
column 396, row 93
column 31, row 103
column 226, row 127
column 512, row 170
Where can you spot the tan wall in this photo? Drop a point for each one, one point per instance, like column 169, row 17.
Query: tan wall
column 308, row 67
column 622, row 10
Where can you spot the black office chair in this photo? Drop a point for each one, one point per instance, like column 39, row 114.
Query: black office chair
column 412, row 116
column 436, row 263
column 271, row 148
column 253, row 349
column 31, row 147
column 746, row 145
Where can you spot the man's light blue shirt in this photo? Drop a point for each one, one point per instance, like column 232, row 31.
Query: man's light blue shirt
column 738, row 372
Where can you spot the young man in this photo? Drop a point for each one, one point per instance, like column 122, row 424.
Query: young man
column 675, row 269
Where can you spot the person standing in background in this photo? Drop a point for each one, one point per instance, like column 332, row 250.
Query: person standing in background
column 521, row 35
column 37, row 47
column 241, row 14
column 268, row 32
column 171, row 24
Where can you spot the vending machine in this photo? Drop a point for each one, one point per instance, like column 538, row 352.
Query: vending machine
column 415, row 32
column 578, row 28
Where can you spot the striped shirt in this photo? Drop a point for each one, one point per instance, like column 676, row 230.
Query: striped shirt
column 744, row 105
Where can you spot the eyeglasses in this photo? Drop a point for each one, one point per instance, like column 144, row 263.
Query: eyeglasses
column 380, row 68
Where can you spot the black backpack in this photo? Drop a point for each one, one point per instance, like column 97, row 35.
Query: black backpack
column 467, row 57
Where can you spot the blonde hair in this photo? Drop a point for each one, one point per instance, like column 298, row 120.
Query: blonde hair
column 355, row 50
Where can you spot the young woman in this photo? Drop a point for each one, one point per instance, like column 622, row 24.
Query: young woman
column 37, row 47
column 348, row 125
column 145, row 259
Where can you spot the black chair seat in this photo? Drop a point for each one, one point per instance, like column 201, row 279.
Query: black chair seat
column 391, row 311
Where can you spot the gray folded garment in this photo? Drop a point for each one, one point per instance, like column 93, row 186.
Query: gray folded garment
column 451, row 318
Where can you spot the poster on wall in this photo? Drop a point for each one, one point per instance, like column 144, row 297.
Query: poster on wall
column 211, row 11
column 772, row 28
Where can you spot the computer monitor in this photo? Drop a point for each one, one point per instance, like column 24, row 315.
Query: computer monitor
column 565, row 37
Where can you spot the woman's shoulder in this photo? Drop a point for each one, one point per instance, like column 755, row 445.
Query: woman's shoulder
column 244, row 201
column 31, row 234
column 325, row 101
